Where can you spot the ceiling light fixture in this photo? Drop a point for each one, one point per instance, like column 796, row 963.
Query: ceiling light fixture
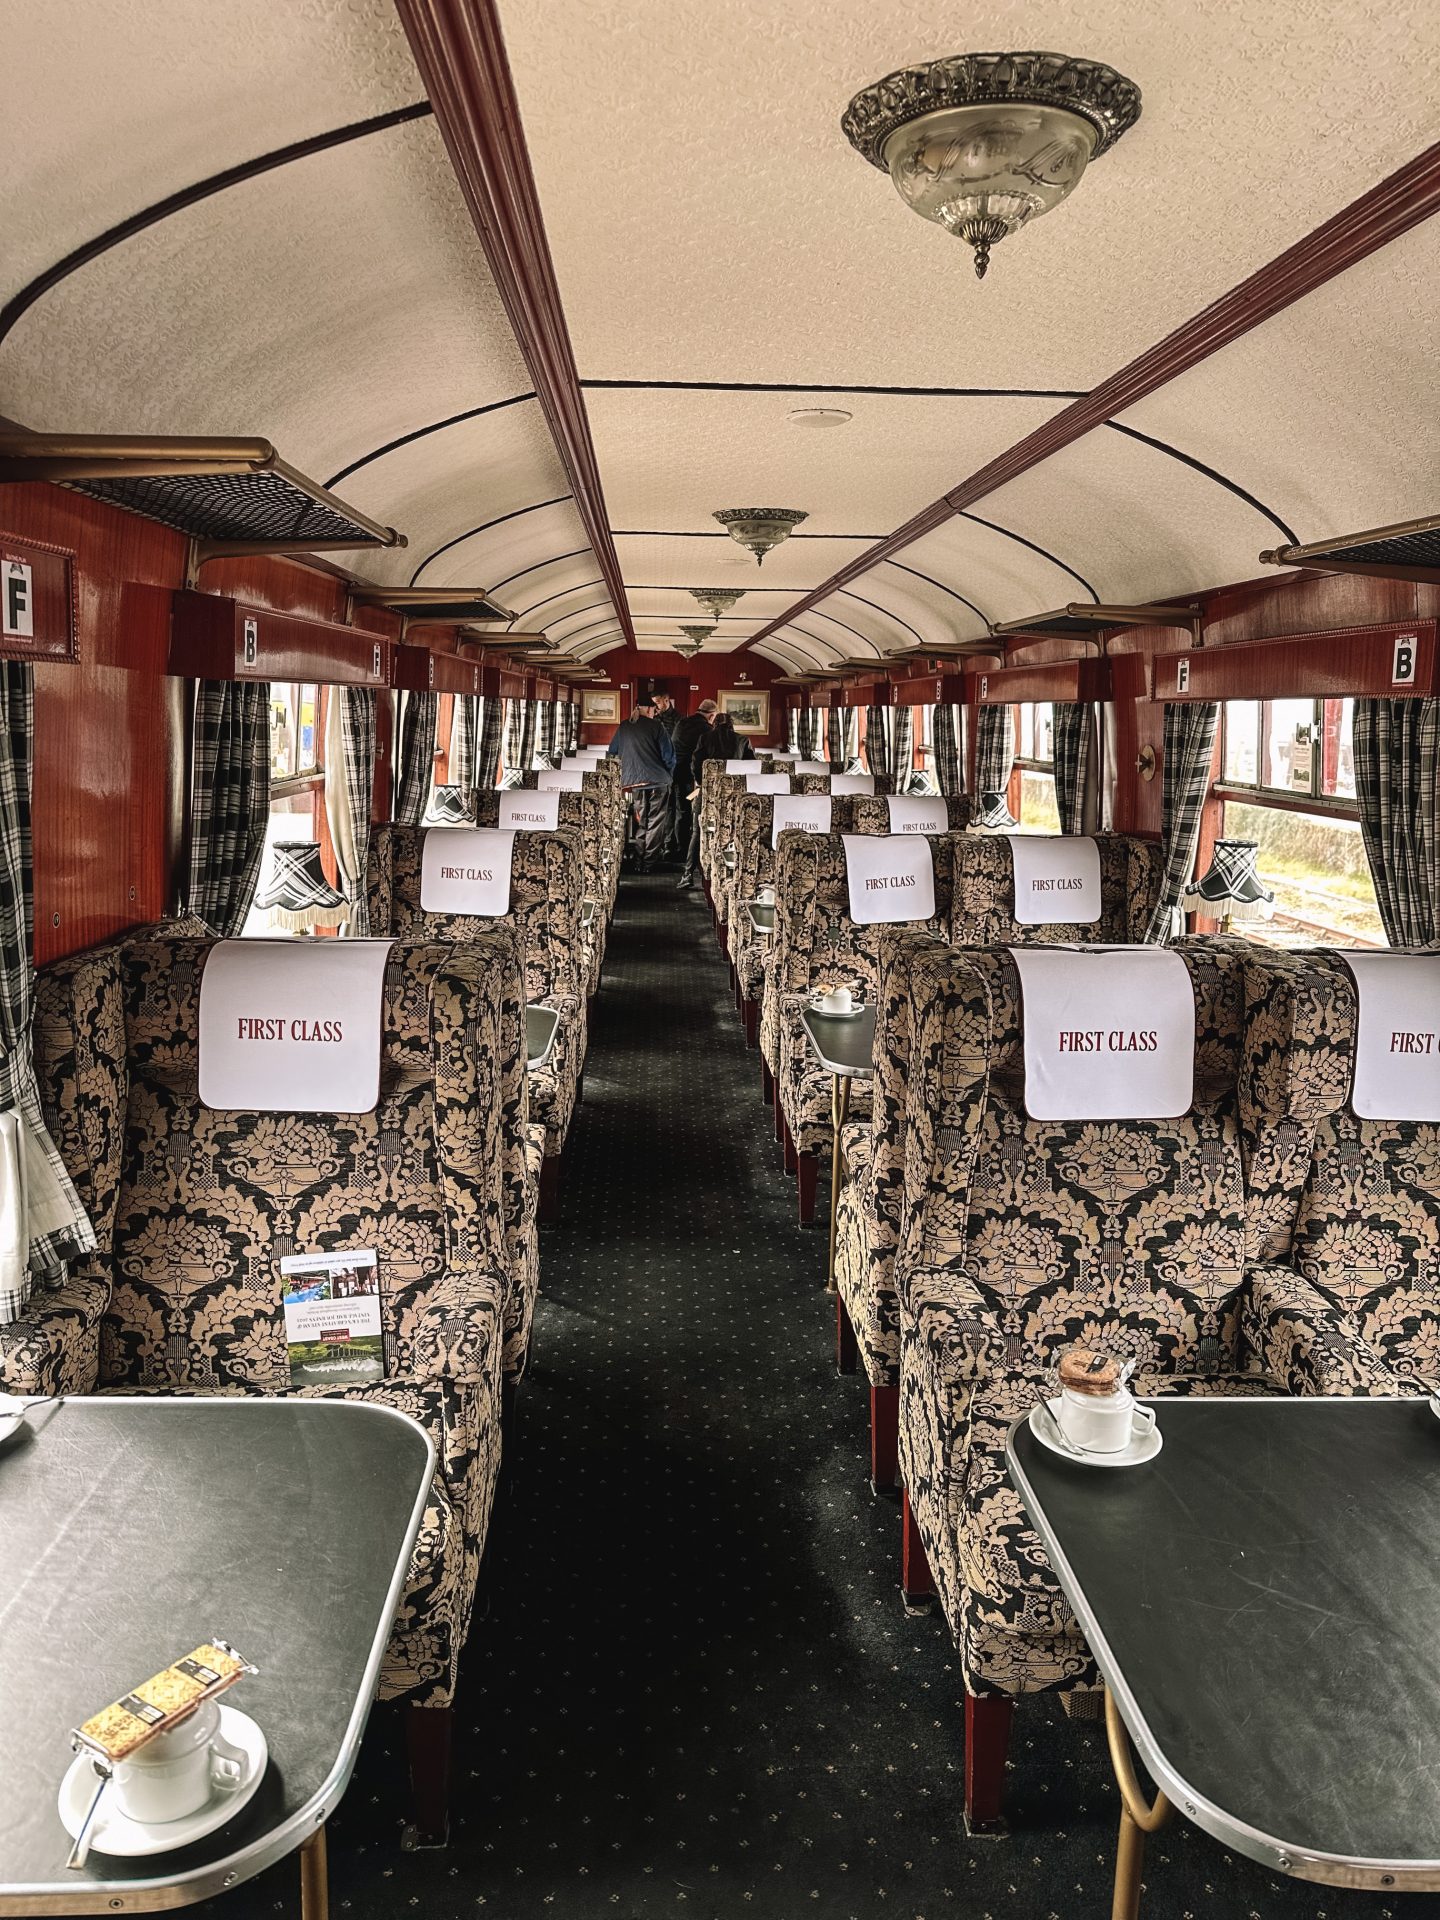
column 717, row 600
column 983, row 143
column 695, row 638
column 760, row 528
column 819, row 417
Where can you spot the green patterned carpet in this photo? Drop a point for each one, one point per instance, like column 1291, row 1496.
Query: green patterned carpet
column 697, row 1693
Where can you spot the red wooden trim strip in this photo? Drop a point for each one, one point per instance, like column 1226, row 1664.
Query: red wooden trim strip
column 1408, row 198
column 460, row 51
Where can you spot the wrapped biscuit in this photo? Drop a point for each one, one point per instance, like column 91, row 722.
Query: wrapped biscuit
column 161, row 1702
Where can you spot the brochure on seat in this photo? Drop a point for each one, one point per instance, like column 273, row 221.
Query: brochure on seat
column 332, row 1318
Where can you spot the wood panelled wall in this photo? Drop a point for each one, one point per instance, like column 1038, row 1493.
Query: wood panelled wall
column 111, row 733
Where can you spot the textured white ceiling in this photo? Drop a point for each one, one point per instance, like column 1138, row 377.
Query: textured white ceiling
column 698, row 142
column 1329, row 413
column 716, row 561
column 112, row 105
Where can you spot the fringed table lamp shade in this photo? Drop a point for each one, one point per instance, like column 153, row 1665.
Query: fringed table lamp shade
column 993, row 814
column 452, row 807
column 1232, row 889
column 297, row 896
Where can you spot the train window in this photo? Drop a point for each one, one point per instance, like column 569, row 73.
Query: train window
column 294, row 730
column 1288, row 783
column 1035, row 758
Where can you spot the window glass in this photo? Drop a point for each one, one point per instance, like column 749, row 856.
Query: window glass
column 1316, row 867
column 1288, row 737
column 294, row 730
column 1242, row 742
column 1038, row 811
column 1037, row 733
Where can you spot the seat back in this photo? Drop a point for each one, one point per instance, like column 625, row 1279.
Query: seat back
column 872, row 812
column 753, row 822
column 1352, row 1203
column 584, row 814
column 984, row 895
column 547, row 884
column 1126, row 1231
column 210, row 1201
column 816, row 941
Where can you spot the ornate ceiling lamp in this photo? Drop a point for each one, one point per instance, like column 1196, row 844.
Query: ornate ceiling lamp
column 695, row 638
column 983, row 143
column 717, row 600
column 760, row 528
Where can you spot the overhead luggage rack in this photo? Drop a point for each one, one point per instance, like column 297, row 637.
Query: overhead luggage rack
column 1085, row 617
column 230, row 496
column 419, row 605
column 1409, row 550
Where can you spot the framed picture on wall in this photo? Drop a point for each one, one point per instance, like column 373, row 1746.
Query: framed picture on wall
column 748, row 708
column 602, row 708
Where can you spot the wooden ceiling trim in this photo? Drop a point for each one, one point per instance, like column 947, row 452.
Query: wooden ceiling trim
column 460, row 52
column 1405, row 200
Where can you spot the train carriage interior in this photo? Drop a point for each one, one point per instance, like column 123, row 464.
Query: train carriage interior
column 708, row 1209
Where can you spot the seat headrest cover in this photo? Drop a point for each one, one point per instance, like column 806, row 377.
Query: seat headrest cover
column 767, row 783
column 1397, row 1038
column 740, row 766
column 292, row 1026
column 809, row 812
column 811, row 766
column 560, row 780
column 467, row 870
column 891, row 877
column 1109, row 1033
column 853, row 783
column 917, row 813
column 1057, row 880
column 534, row 812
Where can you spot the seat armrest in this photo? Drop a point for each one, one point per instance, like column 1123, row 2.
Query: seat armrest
column 1304, row 1342
column 447, row 1326
column 953, row 1322
column 53, row 1346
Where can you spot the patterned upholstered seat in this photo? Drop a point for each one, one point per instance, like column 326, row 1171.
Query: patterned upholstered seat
column 817, row 946
column 1348, row 1205
column 753, row 820
column 1022, row 1238
column 199, row 1206
column 983, row 893
column 584, row 814
column 546, row 887
column 872, row 812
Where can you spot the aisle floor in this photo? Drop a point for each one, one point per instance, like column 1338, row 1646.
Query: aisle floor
column 697, row 1692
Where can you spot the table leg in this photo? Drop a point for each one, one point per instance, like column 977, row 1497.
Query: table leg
column 839, row 1107
column 314, row 1878
column 1137, row 1818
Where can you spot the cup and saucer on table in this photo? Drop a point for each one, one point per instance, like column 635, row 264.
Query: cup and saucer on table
column 838, row 1004
column 174, row 1790
column 1095, row 1419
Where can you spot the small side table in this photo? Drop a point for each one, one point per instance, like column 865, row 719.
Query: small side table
column 844, row 1046
column 762, row 917
column 541, row 1026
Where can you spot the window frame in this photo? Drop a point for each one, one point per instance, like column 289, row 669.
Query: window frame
column 1028, row 763
column 1285, row 799
column 307, row 778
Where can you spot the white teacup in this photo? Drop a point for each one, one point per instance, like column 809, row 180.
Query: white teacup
column 179, row 1772
column 1102, row 1423
column 838, row 1000
column 765, row 897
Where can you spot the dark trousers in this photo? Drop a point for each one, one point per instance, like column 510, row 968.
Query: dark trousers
column 650, row 805
column 678, row 833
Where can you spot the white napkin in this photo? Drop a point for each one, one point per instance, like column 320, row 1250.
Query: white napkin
column 890, row 877
column 1109, row 1033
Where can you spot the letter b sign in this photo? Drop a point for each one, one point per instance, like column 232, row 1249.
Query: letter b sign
column 1402, row 672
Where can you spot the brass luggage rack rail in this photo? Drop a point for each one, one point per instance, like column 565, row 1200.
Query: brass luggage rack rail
column 1410, row 550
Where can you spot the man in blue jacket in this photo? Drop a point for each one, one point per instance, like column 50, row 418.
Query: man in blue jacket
column 647, row 760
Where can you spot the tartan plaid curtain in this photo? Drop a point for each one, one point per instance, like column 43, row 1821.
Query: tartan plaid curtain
column 877, row 739
column 545, row 728
column 349, row 786
column 994, row 748
column 792, row 739
column 229, row 800
column 945, row 738
column 492, row 734
column 810, row 733
column 514, row 739
column 902, row 746
column 842, row 735
column 462, row 742
column 1397, row 783
column 1074, row 732
column 59, row 1227
column 415, row 762
column 1189, row 745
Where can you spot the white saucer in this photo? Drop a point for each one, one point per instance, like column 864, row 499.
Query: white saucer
column 857, row 1007
column 1144, row 1448
column 114, row 1833
column 14, row 1408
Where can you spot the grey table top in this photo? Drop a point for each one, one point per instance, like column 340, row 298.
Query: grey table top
column 1263, row 1600
column 541, row 1025
column 842, row 1046
column 133, row 1530
column 762, row 916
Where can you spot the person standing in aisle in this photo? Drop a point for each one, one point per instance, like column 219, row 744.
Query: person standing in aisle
column 721, row 743
column 688, row 734
column 647, row 760
column 668, row 714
